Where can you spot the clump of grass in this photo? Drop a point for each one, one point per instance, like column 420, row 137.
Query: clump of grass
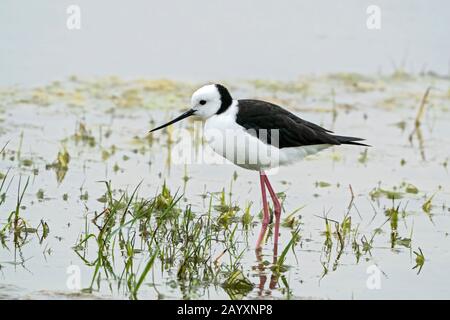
column 291, row 220
column 392, row 214
column 247, row 218
column 15, row 223
column 162, row 233
column 237, row 285
column 226, row 210
column 420, row 260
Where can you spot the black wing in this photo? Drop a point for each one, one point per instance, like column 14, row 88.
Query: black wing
column 255, row 115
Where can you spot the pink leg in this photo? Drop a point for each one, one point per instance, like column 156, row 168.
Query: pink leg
column 266, row 217
column 277, row 209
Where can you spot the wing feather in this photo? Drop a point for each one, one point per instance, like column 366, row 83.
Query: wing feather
column 293, row 131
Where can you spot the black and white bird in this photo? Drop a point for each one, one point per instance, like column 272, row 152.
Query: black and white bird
column 258, row 135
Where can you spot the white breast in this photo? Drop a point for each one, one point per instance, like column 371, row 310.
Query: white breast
column 230, row 140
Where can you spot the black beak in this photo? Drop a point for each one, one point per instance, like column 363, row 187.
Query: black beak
column 179, row 118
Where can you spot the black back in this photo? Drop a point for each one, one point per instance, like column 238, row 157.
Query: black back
column 254, row 115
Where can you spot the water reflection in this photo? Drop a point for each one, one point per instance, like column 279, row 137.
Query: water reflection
column 262, row 269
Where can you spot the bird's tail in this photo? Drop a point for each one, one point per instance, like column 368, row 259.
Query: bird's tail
column 351, row 140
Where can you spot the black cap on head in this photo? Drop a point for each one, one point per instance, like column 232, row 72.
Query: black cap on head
column 225, row 97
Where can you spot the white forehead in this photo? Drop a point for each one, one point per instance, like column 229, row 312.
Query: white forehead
column 208, row 92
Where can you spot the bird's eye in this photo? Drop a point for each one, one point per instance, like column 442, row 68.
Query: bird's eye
column 202, row 102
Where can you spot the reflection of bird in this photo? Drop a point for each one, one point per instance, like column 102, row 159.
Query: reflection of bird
column 257, row 135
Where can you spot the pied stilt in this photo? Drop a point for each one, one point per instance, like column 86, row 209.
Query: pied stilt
column 258, row 135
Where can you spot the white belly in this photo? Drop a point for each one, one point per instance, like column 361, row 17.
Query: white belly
column 234, row 143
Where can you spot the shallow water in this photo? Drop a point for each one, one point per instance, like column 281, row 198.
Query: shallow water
column 117, row 114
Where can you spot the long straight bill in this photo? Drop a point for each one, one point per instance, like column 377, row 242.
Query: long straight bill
column 179, row 118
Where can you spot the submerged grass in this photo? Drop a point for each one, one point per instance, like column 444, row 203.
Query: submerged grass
column 15, row 224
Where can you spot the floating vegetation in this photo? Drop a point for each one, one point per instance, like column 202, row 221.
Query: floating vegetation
column 60, row 165
column 390, row 194
column 363, row 157
column 322, row 184
column 397, row 192
column 40, row 194
column 410, row 188
column 84, row 135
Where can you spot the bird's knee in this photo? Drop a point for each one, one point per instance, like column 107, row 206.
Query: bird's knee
column 277, row 209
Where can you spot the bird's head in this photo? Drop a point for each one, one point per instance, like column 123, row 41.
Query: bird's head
column 207, row 101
